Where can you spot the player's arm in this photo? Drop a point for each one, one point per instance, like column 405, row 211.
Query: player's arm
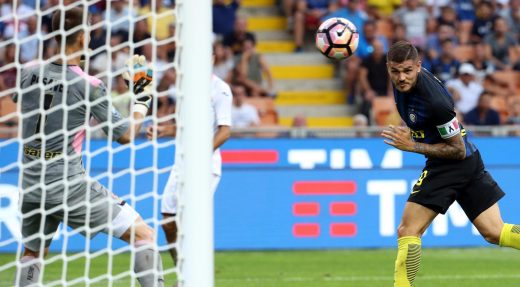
column 401, row 138
column 141, row 78
column 452, row 148
column 221, row 136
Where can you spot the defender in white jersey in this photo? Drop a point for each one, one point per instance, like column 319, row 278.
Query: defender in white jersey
column 221, row 102
column 57, row 100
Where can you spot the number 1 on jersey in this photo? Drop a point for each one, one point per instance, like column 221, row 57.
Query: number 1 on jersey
column 47, row 102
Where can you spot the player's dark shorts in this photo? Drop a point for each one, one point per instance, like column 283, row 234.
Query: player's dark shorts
column 466, row 181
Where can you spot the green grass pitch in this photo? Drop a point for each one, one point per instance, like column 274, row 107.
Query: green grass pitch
column 476, row 267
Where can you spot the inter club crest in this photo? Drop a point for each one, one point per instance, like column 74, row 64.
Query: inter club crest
column 413, row 117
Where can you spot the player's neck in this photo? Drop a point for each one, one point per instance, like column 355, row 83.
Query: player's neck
column 70, row 60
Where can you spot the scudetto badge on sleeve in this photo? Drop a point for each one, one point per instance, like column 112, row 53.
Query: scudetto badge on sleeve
column 449, row 129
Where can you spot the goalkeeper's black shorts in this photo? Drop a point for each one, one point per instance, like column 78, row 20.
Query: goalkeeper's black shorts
column 466, row 181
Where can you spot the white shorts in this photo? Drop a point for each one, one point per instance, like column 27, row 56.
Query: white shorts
column 169, row 197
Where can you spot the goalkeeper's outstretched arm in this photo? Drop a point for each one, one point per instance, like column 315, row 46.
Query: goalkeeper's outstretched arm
column 141, row 87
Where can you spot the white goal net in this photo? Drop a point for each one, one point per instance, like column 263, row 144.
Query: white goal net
column 169, row 34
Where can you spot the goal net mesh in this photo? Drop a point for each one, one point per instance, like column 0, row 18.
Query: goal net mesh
column 136, row 172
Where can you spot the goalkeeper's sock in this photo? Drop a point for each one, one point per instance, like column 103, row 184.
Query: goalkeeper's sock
column 408, row 261
column 510, row 236
column 148, row 261
column 29, row 274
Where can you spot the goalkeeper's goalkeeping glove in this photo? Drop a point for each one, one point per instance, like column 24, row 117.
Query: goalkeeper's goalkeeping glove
column 140, row 75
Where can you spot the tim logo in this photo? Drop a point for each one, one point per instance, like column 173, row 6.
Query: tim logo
column 308, row 210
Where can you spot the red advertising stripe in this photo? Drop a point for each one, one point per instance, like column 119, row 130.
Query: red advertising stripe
column 343, row 208
column 306, row 230
column 343, row 229
column 249, row 156
column 324, row 187
column 306, row 209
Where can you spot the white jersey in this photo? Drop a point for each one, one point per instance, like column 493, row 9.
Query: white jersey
column 221, row 102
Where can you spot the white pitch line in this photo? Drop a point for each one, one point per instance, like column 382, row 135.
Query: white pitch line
column 372, row 278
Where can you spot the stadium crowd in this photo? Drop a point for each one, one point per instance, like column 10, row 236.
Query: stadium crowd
column 471, row 45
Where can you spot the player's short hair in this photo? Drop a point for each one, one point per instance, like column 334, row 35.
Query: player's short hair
column 73, row 18
column 402, row 51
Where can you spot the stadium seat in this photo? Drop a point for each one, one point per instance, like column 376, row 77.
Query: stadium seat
column 382, row 108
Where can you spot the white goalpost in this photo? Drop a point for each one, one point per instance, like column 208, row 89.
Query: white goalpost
column 194, row 147
column 120, row 168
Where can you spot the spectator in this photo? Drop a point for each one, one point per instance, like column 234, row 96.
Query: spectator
column 22, row 11
column 373, row 77
column 366, row 39
column 118, row 16
column 468, row 90
column 29, row 46
column 434, row 43
column 483, row 24
column 435, row 6
column 384, row 8
column 465, row 10
column 167, row 94
column 448, row 16
column 351, row 12
column 158, row 22
column 98, row 36
column 466, row 15
column 223, row 60
column 140, row 35
column 399, row 33
column 235, row 40
column 351, row 80
column 307, row 15
column 514, row 116
column 512, row 16
column 501, row 45
column 482, row 62
column 116, row 57
column 413, row 16
column 251, row 66
column 47, row 18
column 483, row 114
column 360, row 122
column 243, row 115
column 445, row 67
column 224, row 16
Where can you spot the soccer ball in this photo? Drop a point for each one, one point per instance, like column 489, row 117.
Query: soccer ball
column 337, row 38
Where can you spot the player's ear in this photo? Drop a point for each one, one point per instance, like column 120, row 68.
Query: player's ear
column 419, row 63
column 81, row 38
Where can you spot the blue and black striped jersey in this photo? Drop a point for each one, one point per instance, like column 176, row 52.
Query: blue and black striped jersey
column 428, row 110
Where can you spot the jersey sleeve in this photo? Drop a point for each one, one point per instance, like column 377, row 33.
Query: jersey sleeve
column 104, row 112
column 223, row 103
column 443, row 115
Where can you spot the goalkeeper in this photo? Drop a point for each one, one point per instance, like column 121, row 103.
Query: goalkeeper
column 57, row 102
